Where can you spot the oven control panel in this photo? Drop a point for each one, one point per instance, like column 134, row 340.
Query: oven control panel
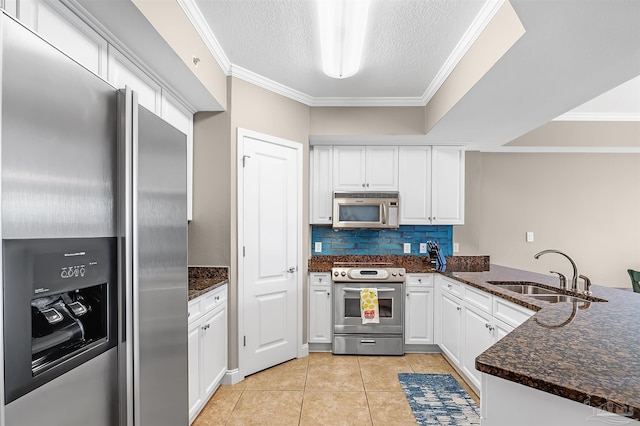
column 346, row 274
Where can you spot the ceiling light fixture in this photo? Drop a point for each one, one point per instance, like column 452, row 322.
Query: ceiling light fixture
column 342, row 28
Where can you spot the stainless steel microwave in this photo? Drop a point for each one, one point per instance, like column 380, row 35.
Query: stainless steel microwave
column 365, row 210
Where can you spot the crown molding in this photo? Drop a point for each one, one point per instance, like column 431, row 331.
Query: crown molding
column 368, row 102
column 202, row 27
column 598, row 116
column 488, row 11
column 273, row 86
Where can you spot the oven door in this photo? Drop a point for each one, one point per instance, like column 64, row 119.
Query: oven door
column 346, row 311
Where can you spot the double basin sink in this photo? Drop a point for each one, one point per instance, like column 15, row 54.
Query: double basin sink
column 541, row 293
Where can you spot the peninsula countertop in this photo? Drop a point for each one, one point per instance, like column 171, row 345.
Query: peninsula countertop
column 203, row 279
column 585, row 351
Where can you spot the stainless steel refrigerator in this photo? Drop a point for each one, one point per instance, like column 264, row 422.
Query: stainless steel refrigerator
column 94, row 247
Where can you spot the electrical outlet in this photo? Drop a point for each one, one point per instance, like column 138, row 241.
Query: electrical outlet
column 456, row 247
column 529, row 237
column 318, row 247
column 423, row 247
column 407, row 248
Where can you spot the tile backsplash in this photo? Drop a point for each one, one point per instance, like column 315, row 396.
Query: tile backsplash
column 381, row 241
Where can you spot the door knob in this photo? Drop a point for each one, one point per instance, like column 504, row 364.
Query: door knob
column 291, row 270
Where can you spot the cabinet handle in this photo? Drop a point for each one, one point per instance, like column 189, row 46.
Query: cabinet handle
column 449, row 286
column 319, row 280
column 363, row 185
column 407, row 294
column 419, row 280
column 217, row 298
column 328, row 293
column 458, row 308
column 367, row 185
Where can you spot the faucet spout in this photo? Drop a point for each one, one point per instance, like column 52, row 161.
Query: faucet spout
column 574, row 279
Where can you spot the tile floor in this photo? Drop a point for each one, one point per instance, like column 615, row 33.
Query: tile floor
column 324, row 389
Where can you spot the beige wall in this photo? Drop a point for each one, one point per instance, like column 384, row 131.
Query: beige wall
column 582, row 133
column 213, row 231
column 367, row 121
column 168, row 18
column 583, row 204
column 496, row 39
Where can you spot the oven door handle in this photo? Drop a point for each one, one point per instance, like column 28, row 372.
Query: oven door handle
column 380, row 290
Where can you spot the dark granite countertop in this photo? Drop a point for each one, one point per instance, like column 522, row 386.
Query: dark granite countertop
column 580, row 351
column 411, row 263
column 203, row 279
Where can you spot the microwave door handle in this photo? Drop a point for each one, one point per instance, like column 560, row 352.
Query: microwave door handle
column 383, row 206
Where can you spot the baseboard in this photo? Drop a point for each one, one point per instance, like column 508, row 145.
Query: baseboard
column 319, row 347
column 422, row 349
column 303, row 351
column 232, row 377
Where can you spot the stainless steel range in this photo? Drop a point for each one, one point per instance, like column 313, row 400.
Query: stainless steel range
column 350, row 335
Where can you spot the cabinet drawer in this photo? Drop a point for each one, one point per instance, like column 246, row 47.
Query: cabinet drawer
column 320, row 278
column 419, row 280
column 194, row 309
column 214, row 298
column 478, row 298
column 452, row 287
column 510, row 313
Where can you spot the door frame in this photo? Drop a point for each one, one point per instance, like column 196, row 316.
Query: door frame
column 299, row 148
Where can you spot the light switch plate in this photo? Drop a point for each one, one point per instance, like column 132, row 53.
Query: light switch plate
column 407, row 248
column 456, row 247
column 423, row 247
column 318, row 247
column 529, row 237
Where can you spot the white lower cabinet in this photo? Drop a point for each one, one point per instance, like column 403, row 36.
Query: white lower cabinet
column 418, row 308
column 320, row 307
column 478, row 336
column 451, row 326
column 207, row 347
column 468, row 321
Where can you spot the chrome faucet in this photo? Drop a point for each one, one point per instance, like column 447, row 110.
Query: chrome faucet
column 574, row 279
column 563, row 280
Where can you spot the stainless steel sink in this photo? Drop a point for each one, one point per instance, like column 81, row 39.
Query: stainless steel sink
column 524, row 288
column 555, row 298
column 527, row 289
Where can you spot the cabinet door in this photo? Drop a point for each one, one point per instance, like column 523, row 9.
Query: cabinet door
column 501, row 329
column 60, row 27
column 349, row 168
column 182, row 119
column 419, row 316
column 478, row 336
column 451, row 323
column 319, row 314
column 122, row 72
column 447, row 200
column 195, row 394
column 381, row 168
column 214, row 349
column 321, row 184
column 414, row 184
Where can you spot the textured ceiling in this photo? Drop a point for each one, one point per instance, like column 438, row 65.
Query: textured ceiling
column 406, row 45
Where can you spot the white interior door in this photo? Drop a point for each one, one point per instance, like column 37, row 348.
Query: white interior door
column 270, row 229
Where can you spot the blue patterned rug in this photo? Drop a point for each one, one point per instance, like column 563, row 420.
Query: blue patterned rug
column 438, row 399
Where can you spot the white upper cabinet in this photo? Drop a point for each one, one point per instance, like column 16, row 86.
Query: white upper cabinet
column 414, row 183
column 66, row 31
column 123, row 72
column 431, row 185
column 181, row 118
column 321, row 184
column 447, row 199
column 365, row 168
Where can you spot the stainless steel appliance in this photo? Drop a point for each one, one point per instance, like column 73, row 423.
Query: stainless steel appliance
column 365, row 210
column 350, row 335
column 94, row 263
